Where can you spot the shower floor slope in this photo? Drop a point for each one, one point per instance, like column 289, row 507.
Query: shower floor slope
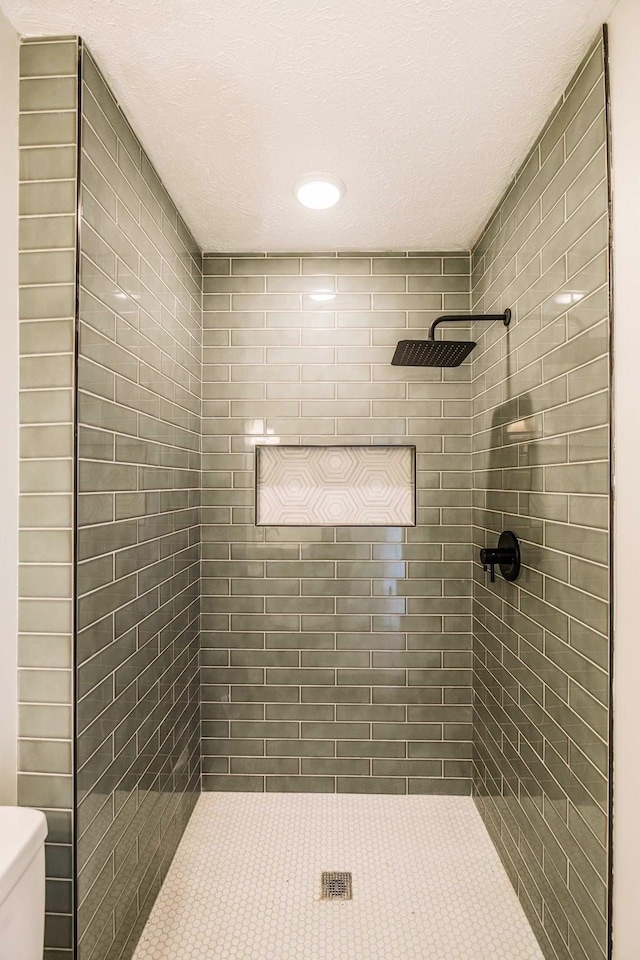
column 245, row 883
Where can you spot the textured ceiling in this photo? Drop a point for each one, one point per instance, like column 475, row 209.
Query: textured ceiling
column 425, row 108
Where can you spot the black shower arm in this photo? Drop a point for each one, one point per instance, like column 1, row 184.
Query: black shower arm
column 461, row 318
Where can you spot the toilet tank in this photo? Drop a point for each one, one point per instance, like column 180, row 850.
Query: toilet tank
column 22, row 836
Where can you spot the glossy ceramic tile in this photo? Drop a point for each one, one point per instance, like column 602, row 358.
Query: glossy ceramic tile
column 47, row 277
column 314, row 373
column 541, row 468
column 137, row 617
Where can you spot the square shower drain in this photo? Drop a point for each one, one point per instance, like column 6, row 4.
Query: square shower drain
column 336, row 885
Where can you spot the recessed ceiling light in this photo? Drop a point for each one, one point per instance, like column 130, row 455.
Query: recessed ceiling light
column 318, row 191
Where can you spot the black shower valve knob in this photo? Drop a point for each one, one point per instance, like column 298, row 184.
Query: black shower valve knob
column 506, row 556
column 491, row 557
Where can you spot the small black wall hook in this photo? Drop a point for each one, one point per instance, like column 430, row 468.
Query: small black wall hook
column 506, row 555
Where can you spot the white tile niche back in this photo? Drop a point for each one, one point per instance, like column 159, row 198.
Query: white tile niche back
column 335, row 485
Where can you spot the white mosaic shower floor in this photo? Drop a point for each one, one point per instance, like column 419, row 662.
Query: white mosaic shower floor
column 245, row 883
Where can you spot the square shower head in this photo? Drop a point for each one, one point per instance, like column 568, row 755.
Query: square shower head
column 431, row 353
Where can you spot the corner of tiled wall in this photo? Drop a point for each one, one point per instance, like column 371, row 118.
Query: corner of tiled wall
column 48, row 185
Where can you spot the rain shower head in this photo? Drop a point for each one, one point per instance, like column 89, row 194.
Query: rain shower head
column 441, row 353
column 432, row 353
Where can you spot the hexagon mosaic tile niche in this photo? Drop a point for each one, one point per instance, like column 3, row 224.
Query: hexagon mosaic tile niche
column 335, row 485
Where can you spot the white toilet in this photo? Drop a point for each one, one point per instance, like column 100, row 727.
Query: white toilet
column 22, row 835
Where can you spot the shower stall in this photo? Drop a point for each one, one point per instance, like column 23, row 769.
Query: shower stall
column 293, row 688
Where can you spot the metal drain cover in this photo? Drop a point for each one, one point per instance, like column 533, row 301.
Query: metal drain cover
column 336, row 885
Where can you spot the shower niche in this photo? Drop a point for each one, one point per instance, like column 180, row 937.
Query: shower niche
column 336, row 486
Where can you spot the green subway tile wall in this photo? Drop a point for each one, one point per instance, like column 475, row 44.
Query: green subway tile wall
column 139, row 379
column 334, row 659
column 48, row 117
column 541, row 468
